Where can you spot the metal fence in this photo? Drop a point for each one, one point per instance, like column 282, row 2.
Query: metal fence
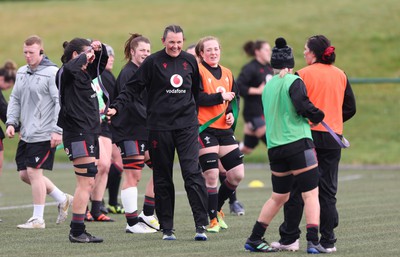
column 374, row 80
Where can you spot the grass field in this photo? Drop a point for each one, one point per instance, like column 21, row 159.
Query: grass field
column 367, row 202
column 366, row 44
column 366, row 38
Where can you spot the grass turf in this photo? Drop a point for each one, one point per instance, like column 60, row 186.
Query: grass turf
column 367, row 203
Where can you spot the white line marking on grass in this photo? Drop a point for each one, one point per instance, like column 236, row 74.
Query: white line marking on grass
column 24, row 206
column 350, row 177
column 342, row 178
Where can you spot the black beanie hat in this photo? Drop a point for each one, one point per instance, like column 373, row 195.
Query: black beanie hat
column 282, row 56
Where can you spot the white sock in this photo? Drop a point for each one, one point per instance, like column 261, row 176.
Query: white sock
column 129, row 199
column 38, row 211
column 58, row 195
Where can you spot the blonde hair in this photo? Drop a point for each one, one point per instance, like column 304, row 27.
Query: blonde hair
column 34, row 39
column 200, row 45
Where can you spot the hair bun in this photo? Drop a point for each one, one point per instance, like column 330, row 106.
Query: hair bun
column 280, row 42
column 65, row 44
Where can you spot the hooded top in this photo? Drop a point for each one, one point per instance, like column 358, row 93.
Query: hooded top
column 33, row 102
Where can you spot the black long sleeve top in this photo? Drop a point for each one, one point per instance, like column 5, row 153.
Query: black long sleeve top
column 79, row 105
column 172, row 84
column 251, row 76
column 130, row 123
column 3, row 112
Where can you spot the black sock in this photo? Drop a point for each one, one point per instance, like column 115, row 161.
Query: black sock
column 95, row 211
column 148, row 205
column 77, row 226
column 225, row 190
column 212, row 202
column 312, row 233
column 232, row 197
column 132, row 218
column 114, row 180
column 258, row 231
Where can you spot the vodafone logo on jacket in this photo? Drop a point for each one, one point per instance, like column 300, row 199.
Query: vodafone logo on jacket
column 176, row 81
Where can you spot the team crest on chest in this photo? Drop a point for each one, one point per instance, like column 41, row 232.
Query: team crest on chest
column 268, row 78
column 220, row 89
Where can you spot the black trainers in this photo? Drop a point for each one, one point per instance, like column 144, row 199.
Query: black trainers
column 315, row 248
column 200, row 229
column 259, row 246
column 168, row 234
column 200, row 233
column 85, row 237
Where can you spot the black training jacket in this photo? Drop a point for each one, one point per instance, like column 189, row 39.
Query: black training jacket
column 252, row 75
column 79, row 105
column 130, row 123
column 172, row 84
